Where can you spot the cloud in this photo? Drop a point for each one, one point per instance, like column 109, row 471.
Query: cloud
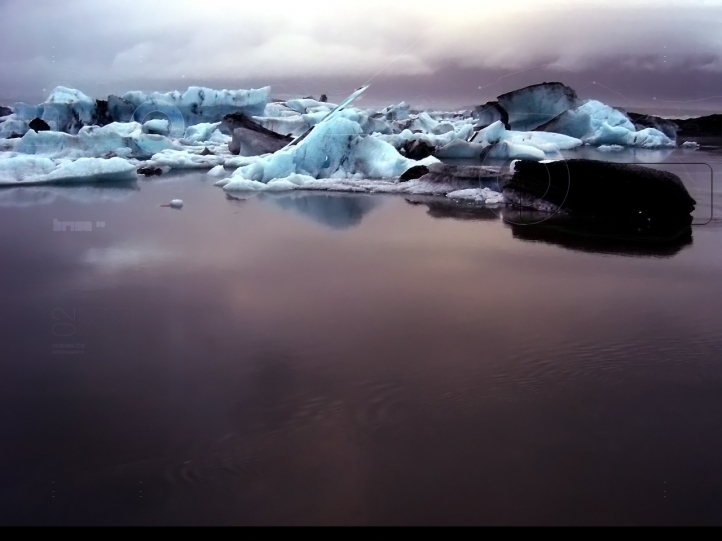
column 86, row 42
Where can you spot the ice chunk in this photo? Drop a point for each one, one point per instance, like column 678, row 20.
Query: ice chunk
column 217, row 171
column 477, row 195
column 598, row 124
column 158, row 126
column 200, row 133
column 532, row 106
column 118, row 139
column 610, row 148
column 176, row 204
column 20, row 170
column 184, row 159
column 66, row 110
column 690, row 144
column 194, row 106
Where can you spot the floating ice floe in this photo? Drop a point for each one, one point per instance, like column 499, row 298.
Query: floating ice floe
column 27, row 170
column 690, row 145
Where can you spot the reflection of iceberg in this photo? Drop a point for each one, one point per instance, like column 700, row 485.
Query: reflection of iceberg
column 445, row 208
column 334, row 211
column 27, row 196
column 586, row 236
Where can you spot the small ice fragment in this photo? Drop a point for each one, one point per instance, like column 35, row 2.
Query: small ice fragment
column 175, row 204
column 218, row 171
column 690, row 144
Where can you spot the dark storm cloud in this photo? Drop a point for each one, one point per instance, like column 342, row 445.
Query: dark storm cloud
column 425, row 52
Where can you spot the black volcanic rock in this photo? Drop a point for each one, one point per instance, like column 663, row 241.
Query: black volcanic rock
column 38, row 125
column 5, row 111
column 629, row 195
column 417, row 171
column 534, row 105
column 323, row 98
column 250, row 138
column 640, row 121
column 207, row 152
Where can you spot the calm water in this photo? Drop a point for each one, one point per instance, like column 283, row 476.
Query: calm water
column 325, row 359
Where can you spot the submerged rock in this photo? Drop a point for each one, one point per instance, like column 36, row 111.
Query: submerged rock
column 637, row 197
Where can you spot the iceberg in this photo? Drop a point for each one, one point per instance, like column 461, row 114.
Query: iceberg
column 114, row 140
column 530, row 107
column 27, row 170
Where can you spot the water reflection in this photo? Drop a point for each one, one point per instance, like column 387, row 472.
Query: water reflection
column 445, row 208
column 333, row 210
column 583, row 236
column 28, row 196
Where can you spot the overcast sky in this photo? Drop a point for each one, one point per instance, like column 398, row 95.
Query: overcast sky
column 660, row 54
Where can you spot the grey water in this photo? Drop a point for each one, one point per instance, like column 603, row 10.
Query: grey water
column 317, row 358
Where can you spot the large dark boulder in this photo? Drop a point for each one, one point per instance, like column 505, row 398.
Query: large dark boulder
column 5, row 111
column 38, row 124
column 250, row 138
column 531, row 106
column 630, row 195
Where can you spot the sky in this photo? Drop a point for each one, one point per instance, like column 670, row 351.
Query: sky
column 662, row 54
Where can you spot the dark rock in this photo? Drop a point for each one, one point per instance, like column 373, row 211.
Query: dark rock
column 418, row 149
column 667, row 127
column 5, row 111
column 489, row 113
column 150, row 171
column 630, row 195
column 207, row 152
column 323, row 98
column 14, row 135
column 414, row 172
column 531, row 106
column 309, row 98
column 38, row 125
column 250, row 138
